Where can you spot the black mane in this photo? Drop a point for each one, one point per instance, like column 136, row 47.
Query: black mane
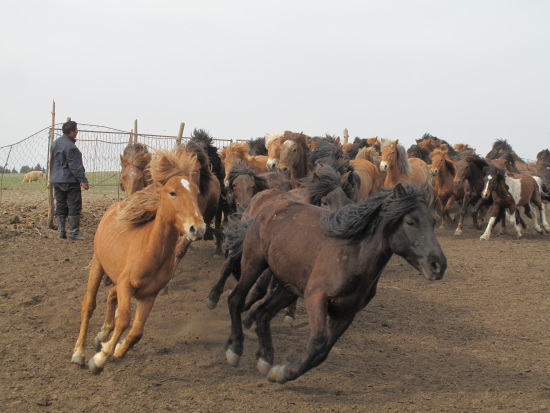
column 323, row 180
column 359, row 221
column 205, row 173
column 257, row 147
column 203, row 139
column 325, row 152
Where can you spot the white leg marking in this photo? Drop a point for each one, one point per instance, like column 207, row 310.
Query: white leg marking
column 487, row 234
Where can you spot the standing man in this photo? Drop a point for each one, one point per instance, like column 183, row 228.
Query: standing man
column 67, row 174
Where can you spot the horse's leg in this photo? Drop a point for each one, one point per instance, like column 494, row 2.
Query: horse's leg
column 543, row 220
column 217, row 290
column 462, row 213
column 218, row 229
column 487, row 234
column 251, row 271
column 291, row 313
column 109, row 324
column 535, row 221
column 181, row 250
column 88, row 307
column 266, row 311
column 124, row 293
column 260, row 289
column 143, row 309
column 512, row 218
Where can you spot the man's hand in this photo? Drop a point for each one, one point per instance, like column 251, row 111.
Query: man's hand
column 85, row 186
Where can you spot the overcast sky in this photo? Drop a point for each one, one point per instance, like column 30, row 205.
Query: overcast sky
column 465, row 71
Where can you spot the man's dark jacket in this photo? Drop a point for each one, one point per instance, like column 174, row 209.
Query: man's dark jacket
column 66, row 162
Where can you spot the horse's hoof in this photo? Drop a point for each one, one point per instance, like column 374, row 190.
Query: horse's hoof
column 263, row 366
column 458, row 232
column 210, row 303
column 78, row 360
column 277, row 373
column 164, row 291
column 97, row 344
column 483, row 238
column 289, row 320
column 93, row 368
column 232, row 358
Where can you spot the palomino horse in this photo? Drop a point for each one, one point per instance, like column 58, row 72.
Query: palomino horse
column 273, row 142
column 294, row 160
column 134, row 161
column 238, row 152
column 447, row 193
column 509, row 193
column 401, row 169
column 325, row 188
column 135, row 245
column 346, row 253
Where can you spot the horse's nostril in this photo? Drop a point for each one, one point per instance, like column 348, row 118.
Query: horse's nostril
column 192, row 230
column 435, row 267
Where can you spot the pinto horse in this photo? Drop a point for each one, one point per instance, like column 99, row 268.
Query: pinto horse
column 509, row 193
column 238, row 152
column 135, row 245
column 135, row 175
column 346, row 253
column 447, row 193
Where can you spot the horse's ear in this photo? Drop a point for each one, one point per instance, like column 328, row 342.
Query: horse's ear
column 394, row 143
column 399, row 191
column 123, row 161
column 337, row 141
column 345, row 178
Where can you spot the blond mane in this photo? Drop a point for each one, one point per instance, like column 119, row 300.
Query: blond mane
column 142, row 206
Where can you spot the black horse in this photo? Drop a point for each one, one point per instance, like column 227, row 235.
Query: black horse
column 332, row 260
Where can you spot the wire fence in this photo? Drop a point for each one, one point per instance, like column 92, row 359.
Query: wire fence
column 101, row 148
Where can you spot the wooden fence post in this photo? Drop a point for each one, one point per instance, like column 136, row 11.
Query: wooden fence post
column 48, row 182
column 135, row 131
column 346, row 136
column 180, row 133
column 131, row 137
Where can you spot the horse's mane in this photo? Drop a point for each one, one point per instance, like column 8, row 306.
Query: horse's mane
column 257, row 147
column 323, row 180
column 359, row 221
column 325, row 151
column 202, row 137
column 270, row 137
column 137, row 154
column 206, row 175
column 477, row 161
column 141, row 206
column 403, row 164
column 240, row 150
column 417, row 151
column 357, row 144
column 501, row 146
column 499, row 173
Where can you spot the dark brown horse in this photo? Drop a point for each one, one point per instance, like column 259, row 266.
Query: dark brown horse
column 135, row 174
column 325, row 188
column 333, row 261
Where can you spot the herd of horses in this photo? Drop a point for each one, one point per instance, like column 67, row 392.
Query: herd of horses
column 298, row 217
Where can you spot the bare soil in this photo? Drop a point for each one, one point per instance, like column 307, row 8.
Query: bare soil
column 478, row 340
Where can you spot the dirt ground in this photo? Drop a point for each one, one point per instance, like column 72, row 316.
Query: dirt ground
column 478, row 340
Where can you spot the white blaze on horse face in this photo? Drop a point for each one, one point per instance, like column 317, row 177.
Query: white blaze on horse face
column 383, row 166
column 485, row 193
column 288, row 143
column 185, row 184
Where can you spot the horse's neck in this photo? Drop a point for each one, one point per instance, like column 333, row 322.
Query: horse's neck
column 376, row 253
column 476, row 178
column 393, row 176
column 298, row 172
column 161, row 240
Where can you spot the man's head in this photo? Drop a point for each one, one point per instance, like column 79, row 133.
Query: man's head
column 70, row 128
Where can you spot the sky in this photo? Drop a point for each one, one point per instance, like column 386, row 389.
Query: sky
column 465, row 71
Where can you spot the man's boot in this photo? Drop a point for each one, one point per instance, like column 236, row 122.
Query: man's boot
column 74, row 224
column 61, row 226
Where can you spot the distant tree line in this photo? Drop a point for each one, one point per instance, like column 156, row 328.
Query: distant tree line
column 23, row 170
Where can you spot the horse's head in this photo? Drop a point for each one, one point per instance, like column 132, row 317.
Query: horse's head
column 178, row 201
column 327, row 188
column 439, row 159
column 132, row 177
column 463, row 172
column 274, row 153
column 493, row 176
column 288, row 157
column 389, row 156
column 414, row 239
column 231, row 155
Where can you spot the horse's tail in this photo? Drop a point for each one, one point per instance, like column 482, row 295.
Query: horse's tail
column 543, row 188
column 234, row 234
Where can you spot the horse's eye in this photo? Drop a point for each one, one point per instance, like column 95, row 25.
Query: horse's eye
column 324, row 203
column 233, row 186
column 410, row 223
column 172, row 194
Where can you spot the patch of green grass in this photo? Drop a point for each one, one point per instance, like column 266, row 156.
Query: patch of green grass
column 100, row 182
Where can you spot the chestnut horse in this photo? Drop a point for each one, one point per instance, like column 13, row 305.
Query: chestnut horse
column 294, row 160
column 273, row 142
column 401, row 169
column 509, row 193
column 447, row 193
column 135, row 245
column 369, row 175
column 134, row 161
column 346, row 253
column 238, row 152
